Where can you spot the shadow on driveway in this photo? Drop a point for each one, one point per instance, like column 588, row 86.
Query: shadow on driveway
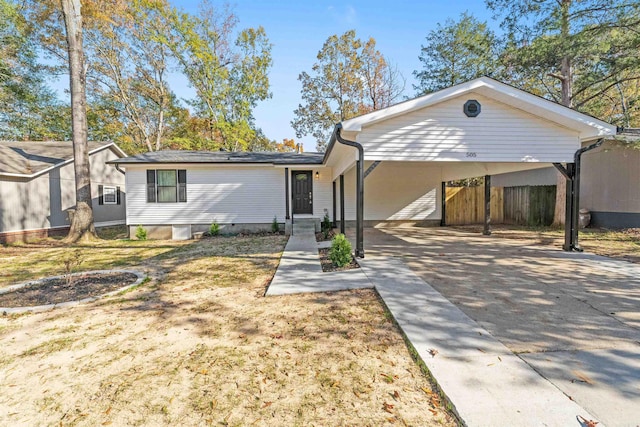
column 575, row 318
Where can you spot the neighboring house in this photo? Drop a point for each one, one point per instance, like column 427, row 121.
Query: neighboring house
column 37, row 188
column 481, row 127
column 610, row 181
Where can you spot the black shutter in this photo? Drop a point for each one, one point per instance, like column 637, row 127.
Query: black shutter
column 117, row 195
column 100, row 195
column 182, row 185
column 151, row 186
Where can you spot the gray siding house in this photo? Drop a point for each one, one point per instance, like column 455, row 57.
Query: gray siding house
column 37, row 188
column 610, row 181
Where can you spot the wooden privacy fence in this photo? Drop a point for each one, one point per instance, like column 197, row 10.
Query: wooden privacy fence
column 465, row 205
column 529, row 205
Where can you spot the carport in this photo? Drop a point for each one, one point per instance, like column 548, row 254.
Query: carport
column 389, row 166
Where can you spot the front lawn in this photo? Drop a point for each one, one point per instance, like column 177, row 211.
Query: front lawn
column 198, row 344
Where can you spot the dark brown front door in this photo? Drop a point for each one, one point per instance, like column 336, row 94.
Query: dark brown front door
column 302, row 192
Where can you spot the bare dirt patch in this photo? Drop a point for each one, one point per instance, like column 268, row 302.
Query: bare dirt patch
column 200, row 345
column 56, row 290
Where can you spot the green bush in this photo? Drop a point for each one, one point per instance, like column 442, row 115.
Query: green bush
column 275, row 227
column 326, row 225
column 340, row 252
column 214, row 229
column 141, row 233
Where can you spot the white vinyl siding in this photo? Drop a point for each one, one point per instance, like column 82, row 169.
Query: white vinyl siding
column 227, row 195
column 322, row 193
column 443, row 132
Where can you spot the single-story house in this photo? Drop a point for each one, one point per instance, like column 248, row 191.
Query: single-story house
column 387, row 166
column 610, row 183
column 38, row 188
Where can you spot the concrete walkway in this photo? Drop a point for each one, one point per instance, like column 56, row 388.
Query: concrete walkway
column 300, row 271
column 487, row 384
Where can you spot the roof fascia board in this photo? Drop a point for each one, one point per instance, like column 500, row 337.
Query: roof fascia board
column 111, row 145
column 217, row 164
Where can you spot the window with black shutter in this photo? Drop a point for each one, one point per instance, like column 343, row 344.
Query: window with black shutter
column 151, row 186
column 166, row 186
column 182, row 185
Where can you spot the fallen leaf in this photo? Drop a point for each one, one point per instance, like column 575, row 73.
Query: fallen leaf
column 426, row 390
column 582, row 377
column 387, row 407
column 266, row 404
column 396, row 395
column 480, row 350
column 107, row 411
column 588, row 423
column 433, row 411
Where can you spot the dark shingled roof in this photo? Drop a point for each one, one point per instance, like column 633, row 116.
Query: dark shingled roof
column 29, row 158
column 182, row 156
column 630, row 135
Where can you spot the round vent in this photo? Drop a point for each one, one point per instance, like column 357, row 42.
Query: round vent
column 471, row 108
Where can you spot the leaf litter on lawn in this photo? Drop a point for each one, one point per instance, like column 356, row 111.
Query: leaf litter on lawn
column 199, row 344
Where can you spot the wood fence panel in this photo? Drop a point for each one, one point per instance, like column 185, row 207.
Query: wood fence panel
column 465, row 205
column 529, row 205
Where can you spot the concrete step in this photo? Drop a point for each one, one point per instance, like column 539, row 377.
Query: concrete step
column 306, row 224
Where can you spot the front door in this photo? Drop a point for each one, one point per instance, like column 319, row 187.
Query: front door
column 302, row 192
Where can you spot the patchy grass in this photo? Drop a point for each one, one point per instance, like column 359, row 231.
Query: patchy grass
column 199, row 345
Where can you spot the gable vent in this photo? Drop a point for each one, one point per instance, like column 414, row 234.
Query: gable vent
column 471, row 108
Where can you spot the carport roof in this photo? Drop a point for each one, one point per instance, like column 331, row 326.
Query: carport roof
column 588, row 127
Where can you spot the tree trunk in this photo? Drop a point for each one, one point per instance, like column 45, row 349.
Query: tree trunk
column 566, row 78
column 82, row 223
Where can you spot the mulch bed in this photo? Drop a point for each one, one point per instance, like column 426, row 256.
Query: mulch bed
column 320, row 236
column 327, row 265
column 56, row 290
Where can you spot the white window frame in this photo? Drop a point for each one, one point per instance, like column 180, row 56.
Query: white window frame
column 108, row 190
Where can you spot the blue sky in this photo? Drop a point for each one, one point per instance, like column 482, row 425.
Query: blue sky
column 298, row 28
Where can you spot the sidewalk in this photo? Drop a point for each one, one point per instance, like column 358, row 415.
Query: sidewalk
column 300, row 271
column 486, row 383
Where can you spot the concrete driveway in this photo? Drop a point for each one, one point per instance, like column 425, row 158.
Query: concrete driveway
column 574, row 318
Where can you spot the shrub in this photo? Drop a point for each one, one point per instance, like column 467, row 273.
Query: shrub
column 214, row 229
column 326, row 225
column 71, row 260
column 141, row 233
column 275, row 227
column 340, row 252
